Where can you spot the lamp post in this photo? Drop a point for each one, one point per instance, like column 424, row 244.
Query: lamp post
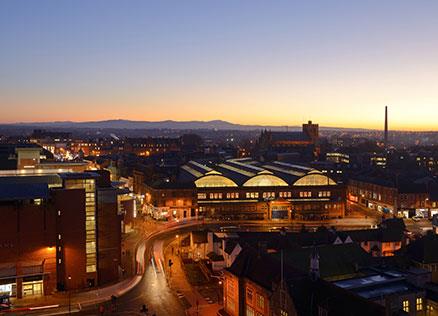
column 69, row 295
column 219, row 292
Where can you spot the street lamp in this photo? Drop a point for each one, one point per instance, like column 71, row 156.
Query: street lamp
column 219, row 292
column 69, row 295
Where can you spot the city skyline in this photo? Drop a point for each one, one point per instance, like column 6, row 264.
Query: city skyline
column 246, row 63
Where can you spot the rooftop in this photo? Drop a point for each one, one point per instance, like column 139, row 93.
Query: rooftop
column 250, row 173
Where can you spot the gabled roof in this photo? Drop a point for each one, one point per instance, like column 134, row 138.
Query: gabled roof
column 425, row 249
column 261, row 268
column 200, row 237
column 334, row 260
column 307, row 295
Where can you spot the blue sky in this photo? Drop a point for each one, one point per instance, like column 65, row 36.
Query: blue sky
column 261, row 62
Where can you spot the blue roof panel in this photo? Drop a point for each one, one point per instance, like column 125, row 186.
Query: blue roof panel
column 23, row 191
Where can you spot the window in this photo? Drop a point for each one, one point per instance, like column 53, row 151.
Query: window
column 260, row 301
column 252, row 195
column 230, row 304
column 429, row 310
column 202, row 196
column 267, row 195
column 419, row 302
column 305, row 194
column 283, row 313
column 249, row 311
column 233, row 195
column 230, row 287
column 406, row 306
column 324, row 194
column 249, row 295
column 215, row 196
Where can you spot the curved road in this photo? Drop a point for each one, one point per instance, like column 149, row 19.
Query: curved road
column 152, row 289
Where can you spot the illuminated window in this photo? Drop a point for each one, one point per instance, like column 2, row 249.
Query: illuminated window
column 214, row 180
column 419, row 302
column 231, row 305
column 406, row 306
column 265, row 180
column 324, row 194
column 232, row 195
column 90, row 219
column 267, row 195
column 230, row 287
column 305, row 194
column 252, row 195
column 429, row 310
column 249, row 295
column 283, row 313
column 260, row 302
column 249, row 311
column 314, row 178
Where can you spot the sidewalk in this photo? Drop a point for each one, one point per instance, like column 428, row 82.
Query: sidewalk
column 187, row 293
column 97, row 295
column 81, row 298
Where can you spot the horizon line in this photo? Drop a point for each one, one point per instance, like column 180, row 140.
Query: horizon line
column 212, row 120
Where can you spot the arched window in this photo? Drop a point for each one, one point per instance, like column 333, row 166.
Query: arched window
column 314, row 178
column 265, row 180
column 214, row 180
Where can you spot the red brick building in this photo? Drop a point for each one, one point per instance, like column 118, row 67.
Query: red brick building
column 63, row 232
column 245, row 189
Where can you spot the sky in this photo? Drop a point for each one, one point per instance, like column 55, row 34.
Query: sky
column 337, row 63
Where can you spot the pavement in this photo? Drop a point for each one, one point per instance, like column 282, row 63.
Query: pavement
column 150, row 285
column 190, row 296
column 63, row 302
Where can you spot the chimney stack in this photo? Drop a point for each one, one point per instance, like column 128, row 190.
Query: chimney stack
column 386, row 126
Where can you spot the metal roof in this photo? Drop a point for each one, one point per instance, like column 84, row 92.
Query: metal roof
column 23, row 191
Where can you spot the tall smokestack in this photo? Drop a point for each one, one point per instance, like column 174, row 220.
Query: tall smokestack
column 386, row 126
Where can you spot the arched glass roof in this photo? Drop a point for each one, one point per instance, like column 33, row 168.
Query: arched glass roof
column 214, row 180
column 265, row 180
column 314, row 179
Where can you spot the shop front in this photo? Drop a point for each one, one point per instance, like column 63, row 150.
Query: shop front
column 280, row 209
column 32, row 286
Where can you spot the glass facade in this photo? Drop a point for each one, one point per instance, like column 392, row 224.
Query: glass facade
column 90, row 218
column 265, row 180
column 33, row 288
column 314, row 179
column 214, row 180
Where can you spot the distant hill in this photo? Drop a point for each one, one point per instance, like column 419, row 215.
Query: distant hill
column 168, row 124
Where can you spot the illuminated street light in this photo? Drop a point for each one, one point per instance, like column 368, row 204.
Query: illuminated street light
column 69, row 295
